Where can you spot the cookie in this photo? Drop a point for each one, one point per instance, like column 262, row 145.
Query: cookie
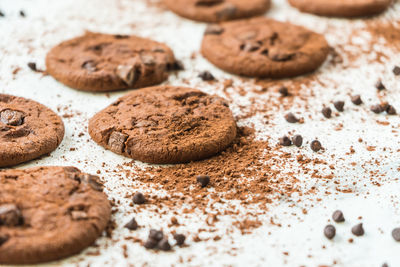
column 342, row 8
column 165, row 124
column 264, row 48
column 28, row 130
column 48, row 213
column 218, row 10
column 102, row 62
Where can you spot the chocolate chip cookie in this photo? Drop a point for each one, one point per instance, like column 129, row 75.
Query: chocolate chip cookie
column 102, row 62
column 342, row 8
column 264, row 48
column 218, row 10
column 165, row 124
column 48, row 213
column 28, row 130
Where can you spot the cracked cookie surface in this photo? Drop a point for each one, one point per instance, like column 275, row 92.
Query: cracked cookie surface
column 103, row 62
column 48, row 213
column 28, row 130
column 218, row 10
column 342, row 8
column 264, row 48
column 165, row 124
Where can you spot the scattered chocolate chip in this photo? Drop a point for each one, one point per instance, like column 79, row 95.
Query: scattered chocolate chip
column 10, row 215
column 150, row 243
column 356, row 99
column 89, row 65
column 180, row 239
column 358, row 230
column 32, row 66
column 396, row 234
column 121, row 36
column 250, row 46
column 3, row 238
column 116, row 142
column 327, row 112
column 12, row 117
column 316, row 146
column 206, row 76
column 208, row 3
column 290, row 117
column 285, row 141
column 156, row 235
column 338, row 216
column 203, row 180
column 396, row 70
column 138, row 198
column 380, row 86
column 283, row 91
column 128, row 74
column 297, row 140
column 164, row 245
column 214, row 29
column 22, row 13
column 277, row 55
column 330, row 231
column 391, row 110
column 376, row 109
column 339, row 105
column 92, row 180
column 132, row 224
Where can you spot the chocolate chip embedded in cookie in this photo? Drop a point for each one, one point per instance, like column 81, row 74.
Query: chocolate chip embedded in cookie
column 342, row 8
column 28, row 130
column 165, row 124
column 262, row 47
column 48, row 213
column 218, row 10
column 102, row 62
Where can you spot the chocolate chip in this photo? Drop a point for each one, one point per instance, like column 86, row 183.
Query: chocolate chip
column 290, row 117
column 203, row 180
column 338, row 216
column 208, row 3
column 284, row 91
column 128, row 74
column 138, row 198
column 206, row 76
column 92, row 180
column 339, row 105
column 380, row 86
column 250, row 47
column 391, row 110
column 356, row 99
column 396, row 234
column 214, row 29
column 396, row 70
column 32, row 66
column 116, row 142
column 177, row 65
column 376, row 109
column 316, row 146
column 3, row 238
column 10, row 215
column 180, row 239
column 22, row 13
column 132, row 224
column 327, row 112
column 12, row 117
column 150, row 243
column 156, row 235
column 164, row 245
column 121, row 36
column 89, row 65
column 78, row 215
column 297, row 140
column 330, row 231
column 285, row 141
column 227, row 12
column 277, row 55
column 358, row 230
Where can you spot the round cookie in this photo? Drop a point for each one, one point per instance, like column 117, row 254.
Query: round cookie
column 165, row 124
column 48, row 213
column 264, row 48
column 218, row 10
column 28, row 130
column 342, row 8
column 102, row 62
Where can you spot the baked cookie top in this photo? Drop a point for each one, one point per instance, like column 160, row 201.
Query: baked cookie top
column 218, row 10
column 262, row 47
column 342, row 8
column 28, row 130
column 103, row 62
column 165, row 124
column 48, row 213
